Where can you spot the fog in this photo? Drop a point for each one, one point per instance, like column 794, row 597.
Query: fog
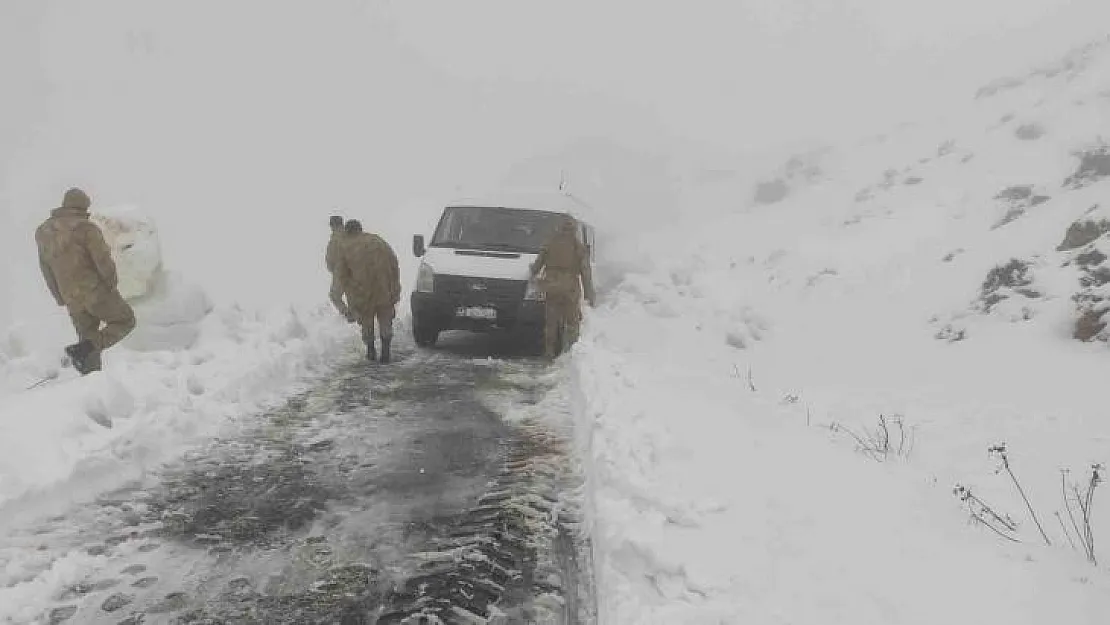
column 243, row 125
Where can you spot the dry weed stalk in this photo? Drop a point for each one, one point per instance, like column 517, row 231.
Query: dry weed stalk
column 985, row 514
column 1084, row 499
column 878, row 443
column 1000, row 452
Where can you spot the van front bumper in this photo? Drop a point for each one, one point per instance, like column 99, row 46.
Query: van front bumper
column 477, row 312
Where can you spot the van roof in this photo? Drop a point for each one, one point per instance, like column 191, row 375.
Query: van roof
column 553, row 201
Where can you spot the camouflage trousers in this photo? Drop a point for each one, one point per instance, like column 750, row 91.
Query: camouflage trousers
column 562, row 318
column 107, row 308
column 383, row 315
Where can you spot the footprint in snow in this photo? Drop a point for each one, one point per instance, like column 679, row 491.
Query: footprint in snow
column 84, row 588
column 116, row 602
column 172, row 602
column 134, row 569
column 62, row 614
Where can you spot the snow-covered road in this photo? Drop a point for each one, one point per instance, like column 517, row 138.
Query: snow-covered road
column 438, row 486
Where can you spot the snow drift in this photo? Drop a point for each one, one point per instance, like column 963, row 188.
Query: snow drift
column 168, row 309
column 781, row 397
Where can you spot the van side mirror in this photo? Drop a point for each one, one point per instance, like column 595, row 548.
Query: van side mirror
column 418, row 248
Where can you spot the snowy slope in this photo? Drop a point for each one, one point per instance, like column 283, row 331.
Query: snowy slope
column 725, row 379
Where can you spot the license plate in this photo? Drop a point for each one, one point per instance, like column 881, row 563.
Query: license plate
column 475, row 312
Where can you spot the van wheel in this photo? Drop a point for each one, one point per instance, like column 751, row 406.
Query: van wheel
column 423, row 333
column 532, row 341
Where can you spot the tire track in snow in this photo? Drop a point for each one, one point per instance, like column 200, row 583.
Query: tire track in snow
column 389, row 495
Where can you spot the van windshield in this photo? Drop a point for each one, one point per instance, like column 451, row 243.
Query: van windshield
column 495, row 229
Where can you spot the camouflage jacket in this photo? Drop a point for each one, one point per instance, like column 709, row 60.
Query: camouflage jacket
column 564, row 261
column 75, row 260
column 332, row 253
column 368, row 272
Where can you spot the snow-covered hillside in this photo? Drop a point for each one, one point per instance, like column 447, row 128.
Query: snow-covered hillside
column 946, row 279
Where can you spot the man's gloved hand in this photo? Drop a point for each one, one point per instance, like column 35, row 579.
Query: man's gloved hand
column 350, row 316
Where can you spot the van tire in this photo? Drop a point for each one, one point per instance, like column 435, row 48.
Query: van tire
column 423, row 333
column 535, row 342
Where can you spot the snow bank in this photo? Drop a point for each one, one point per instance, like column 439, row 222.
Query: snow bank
column 169, row 309
column 133, row 238
column 917, row 276
column 170, row 316
column 146, row 405
column 715, row 503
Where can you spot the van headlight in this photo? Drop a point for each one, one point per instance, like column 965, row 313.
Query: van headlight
column 425, row 279
column 533, row 292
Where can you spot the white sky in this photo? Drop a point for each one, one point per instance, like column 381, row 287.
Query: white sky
column 221, row 116
column 744, row 67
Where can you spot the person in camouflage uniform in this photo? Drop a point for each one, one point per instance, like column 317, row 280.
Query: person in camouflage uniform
column 77, row 266
column 335, row 293
column 563, row 272
column 367, row 270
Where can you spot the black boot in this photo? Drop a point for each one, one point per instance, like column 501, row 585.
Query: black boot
column 371, row 354
column 79, row 353
column 386, row 344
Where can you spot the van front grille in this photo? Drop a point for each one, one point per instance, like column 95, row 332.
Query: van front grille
column 468, row 291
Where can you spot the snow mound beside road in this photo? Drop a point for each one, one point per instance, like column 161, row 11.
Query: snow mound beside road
column 168, row 307
column 713, row 502
column 136, row 249
column 147, row 405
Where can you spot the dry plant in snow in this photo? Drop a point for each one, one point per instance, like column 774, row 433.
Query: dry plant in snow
column 880, row 442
